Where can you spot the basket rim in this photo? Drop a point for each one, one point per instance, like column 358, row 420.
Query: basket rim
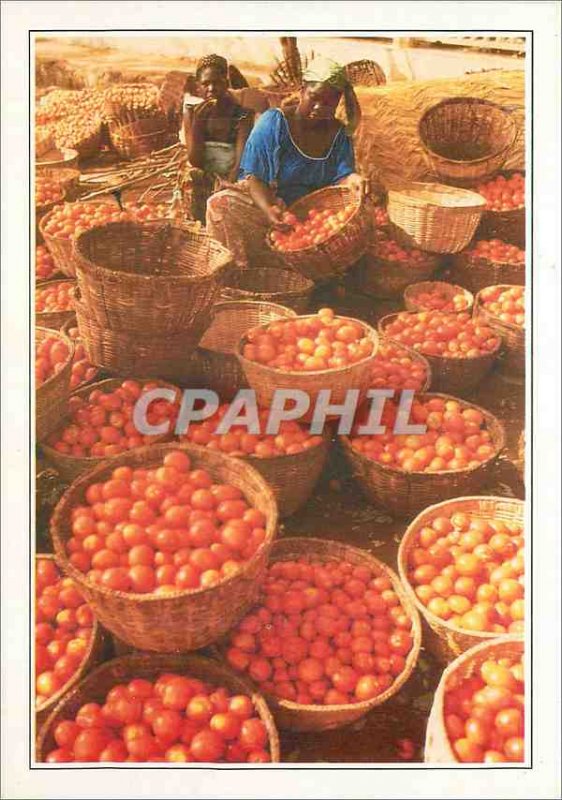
column 66, row 339
column 479, row 306
column 47, row 216
column 408, row 189
column 413, row 528
column 371, row 333
column 308, row 284
column 70, row 154
column 411, row 291
column 326, row 439
column 482, row 260
column 433, row 259
column 385, row 341
column 156, row 451
column 499, row 444
column 225, row 306
column 467, row 361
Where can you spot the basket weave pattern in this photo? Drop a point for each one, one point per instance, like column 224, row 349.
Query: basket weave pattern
column 380, row 277
column 477, row 273
column 283, row 286
column 140, row 137
column 513, row 337
column 364, row 73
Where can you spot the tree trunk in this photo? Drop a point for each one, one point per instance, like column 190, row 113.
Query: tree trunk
column 292, row 57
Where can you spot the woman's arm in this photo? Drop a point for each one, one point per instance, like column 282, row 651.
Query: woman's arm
column 352, row 109
column 194, row 122
column 244, row 128
column 265, row 199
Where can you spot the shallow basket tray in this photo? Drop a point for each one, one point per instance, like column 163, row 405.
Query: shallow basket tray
column 52, row 395
column 380, row 277
column 298, row 717
column 264, row 284
column 477, row 273
column 411, row 293
column 405, row 494
column 334, row 257
column 149, row 666
column 509, row 226
column 71, row 467
column 183, row 620
column 445, row 640
column 434, row 217
column 438, row 749
column 452, row 375
column 53, row 319
column 466, row 139
column 93, row 655
column 513, row 336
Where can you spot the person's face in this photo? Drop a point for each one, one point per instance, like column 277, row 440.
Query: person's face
column 212, row 84
column 319, row 101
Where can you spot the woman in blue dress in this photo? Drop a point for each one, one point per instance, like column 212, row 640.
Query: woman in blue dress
column 289, row 153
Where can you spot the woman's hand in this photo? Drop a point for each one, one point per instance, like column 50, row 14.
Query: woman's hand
column 357, row 183
column 274, row 214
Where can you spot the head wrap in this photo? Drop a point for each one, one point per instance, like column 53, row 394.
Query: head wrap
column 212, row 61
column 325, row 70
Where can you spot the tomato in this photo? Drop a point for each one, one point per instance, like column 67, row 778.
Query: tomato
column 207, row 745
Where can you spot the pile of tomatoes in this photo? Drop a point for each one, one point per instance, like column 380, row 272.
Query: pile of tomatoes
column 485, row 714
column 47, row 191
column 327, row 633
column 441, row 299
column 72, row 219
column 75, row 128
column 497, row 251
column 507, row 303
column 140, row 99
column 396, row 368
column 389, row 250
column 316, row 228
column 435, row 333
column 51, row 355
column 63, row 628
column 163, row 529
column 381, row 217
column 456, row 438
column 318, row 342
column 57, row 297
column 174, row 718
column 292, row 438
column 44, row 265
column 504, row 194
column 82, row 370
column 102, row 424
column 470, row 571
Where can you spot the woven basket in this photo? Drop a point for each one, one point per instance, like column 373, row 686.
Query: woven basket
column 185, row 620
column 149, row 666
column 334, row 257
column 452, row 375
column 52, row 395
column 215, row 361
column 407, row 493
column 68, row 179
column 116, row 108
column 93, row 655
column 364, row 73
column 71, row 467
column 446, row 641
column 466, row 139
column 89, row 146
column 151, row 278
column 53, row 319
column 140, row 138
column 382, row 278
column 65, row 157
column 438, row 748
column 299, row 717
column 509, row 226
column 513, row 337
column 477, row 273
column 266, row 380
column 412, row 292
column 61, row 249
column 415, row 356
column 434, row 217
column 72, row 323
column 268, row 285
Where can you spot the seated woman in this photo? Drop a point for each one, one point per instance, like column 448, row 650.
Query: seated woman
column 290, row 153
column 215, row 130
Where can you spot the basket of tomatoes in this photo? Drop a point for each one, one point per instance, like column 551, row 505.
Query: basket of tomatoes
column 54, row 303
column 53, row 365
column 399, row 367
column 82, row 371
column 45, row 267
column 437, row 296
column 160, row 708
column 265, row 285
column 99, row 425
column 405, row 472
column 47, row 194
column 478, row 712
column 503, row 309
column 330, row 231
column 487, row 263
column 504, row 216
column 461, row 350
column 68, row 639
column 333, row 636
column 168, row 544
column 387, row 268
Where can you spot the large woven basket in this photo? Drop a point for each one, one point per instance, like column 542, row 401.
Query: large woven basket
column 184, row 620
column 407, row 493
column 53, row 319
column 150, row 666
column 513, row 337
column 412, row 292
column 117, row 109
column 140, row 138
column 215, row 363
column 364, row 73
column 438, row 748
column 383, row 278
column 299, row 717
column 414, row 355
column 452, row 375
column 149, row 278
column 263, row 284
column 60, row 248
column 52, row 395
column 445, row 640
column 466, row 139
column 475, row 273
column 509, row 226
column 434, row 217
column 72, row 323
column 334, row 257
column 71, row 467
column 266, row 380
column 94, row 654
